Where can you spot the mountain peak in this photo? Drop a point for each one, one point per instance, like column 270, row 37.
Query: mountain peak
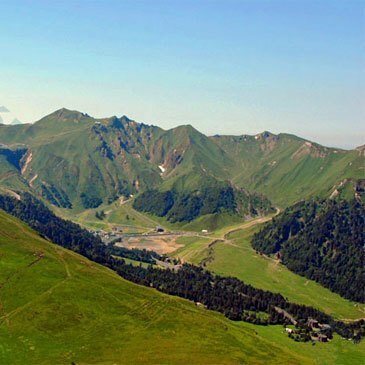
column 187, row 128
column 265, row 135
column 124, row 118
column 65, row 114
column 116, row 122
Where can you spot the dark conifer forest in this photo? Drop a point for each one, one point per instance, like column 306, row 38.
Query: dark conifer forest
column 323, row 241
column 184, row 207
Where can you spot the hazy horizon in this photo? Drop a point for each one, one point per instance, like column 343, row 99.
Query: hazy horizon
column 197, row 128
column 233, row 67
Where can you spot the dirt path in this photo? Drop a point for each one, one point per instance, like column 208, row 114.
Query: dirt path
column 252, row 223
column 224, row 236
column 60, row 255
column 11, row 314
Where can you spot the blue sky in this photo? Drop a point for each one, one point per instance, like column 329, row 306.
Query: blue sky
column 227, row 67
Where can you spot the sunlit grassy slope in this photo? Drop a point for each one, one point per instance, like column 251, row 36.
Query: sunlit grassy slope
column 239, row 259
column 58, row 308
column 287, row 168
column 232, row 255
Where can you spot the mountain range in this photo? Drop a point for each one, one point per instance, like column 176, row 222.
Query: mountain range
column 76, row 161
column 125, row 182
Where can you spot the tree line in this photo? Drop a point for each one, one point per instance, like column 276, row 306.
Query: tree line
column 186, row 206
column 322, row 240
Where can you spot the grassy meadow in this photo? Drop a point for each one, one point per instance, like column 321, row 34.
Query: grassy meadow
column 58, row 307
column 238, row 258
column 231, row 254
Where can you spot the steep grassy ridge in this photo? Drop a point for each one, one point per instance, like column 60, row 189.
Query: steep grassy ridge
column 287, row 168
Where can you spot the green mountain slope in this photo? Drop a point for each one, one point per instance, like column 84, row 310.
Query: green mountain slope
column 287, row 168
column 10, row 166
column 228, row 252
column 239, row 259
column 57, row 307
column 74, row 160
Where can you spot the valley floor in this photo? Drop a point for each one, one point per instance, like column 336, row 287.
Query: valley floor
column 226, row 250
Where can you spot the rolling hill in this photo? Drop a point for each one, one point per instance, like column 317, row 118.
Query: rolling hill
column 46, row 317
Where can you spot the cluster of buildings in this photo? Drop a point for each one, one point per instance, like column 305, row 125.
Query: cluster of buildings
column 105, row 236
column 318, row 332
column 117, row 233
